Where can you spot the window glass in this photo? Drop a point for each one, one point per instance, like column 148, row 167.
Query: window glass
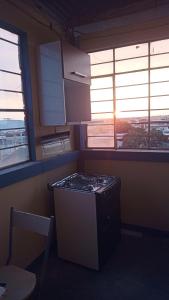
column 159, row 115
column 10, row 100
column 159, row 47
column 98, row 83
column 159, row 75
column 100, row 142
column 159, row 102
column 132, row 91
column 131, row 51
column 9, row 36
column 133, row 116
column 9, row 58
column 100, row 130
column 102, row 106
column 13, row 156
column 14, row 146
column 10, row 82
column 102, row 69
column 97, row 95
column 11, row 119
column 102, row 116
column 131, row 64
column 132, row 78
column 161, row 88
column 131, row 104
column 137, row 140
column 159, row 136
column 101, row 56
column 159, row 60
column 13, row 138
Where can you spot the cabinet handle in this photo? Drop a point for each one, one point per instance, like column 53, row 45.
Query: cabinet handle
column 78, row 74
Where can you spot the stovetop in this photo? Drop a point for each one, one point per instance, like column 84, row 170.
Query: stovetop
column 83, row 182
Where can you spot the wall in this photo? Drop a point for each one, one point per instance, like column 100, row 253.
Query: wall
column 145, row 194
column 29, row 195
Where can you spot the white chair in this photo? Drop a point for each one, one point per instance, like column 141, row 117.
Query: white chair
column 21, row 283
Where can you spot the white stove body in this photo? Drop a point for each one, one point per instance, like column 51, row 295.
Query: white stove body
column 76, row 227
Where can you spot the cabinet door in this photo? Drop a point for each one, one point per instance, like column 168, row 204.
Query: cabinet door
column 76, row 64
column 51, row 85
column 77, row 101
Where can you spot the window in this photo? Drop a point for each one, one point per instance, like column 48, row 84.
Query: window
column 130, row 97
column 14, row 147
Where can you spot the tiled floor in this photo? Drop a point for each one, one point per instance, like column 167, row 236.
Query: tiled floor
column 138, row 269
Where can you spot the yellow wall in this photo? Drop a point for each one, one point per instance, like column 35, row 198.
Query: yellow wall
column 145, row 190
column 29, row 195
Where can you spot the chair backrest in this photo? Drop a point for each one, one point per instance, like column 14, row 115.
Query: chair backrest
column 31, row 222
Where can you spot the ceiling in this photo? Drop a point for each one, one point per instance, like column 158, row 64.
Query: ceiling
column 71, row 13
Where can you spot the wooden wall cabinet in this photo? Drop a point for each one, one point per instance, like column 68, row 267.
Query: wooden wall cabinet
column 76, row 64
column 64, row 84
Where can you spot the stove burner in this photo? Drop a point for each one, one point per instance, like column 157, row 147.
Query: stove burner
column 83, row 182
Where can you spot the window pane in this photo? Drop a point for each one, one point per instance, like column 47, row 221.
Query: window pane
column 132, row 91
column 131, row 51
column 159, row 60
column 159, row 88
column 100, row 142
column 159, row 75
column 125, row 127
column 13, row 156
column 102, row 106
column 7, row 35
column 10, row 82
column 138, row 141
column 133, row 116
column 12, row 120
column 159, row 115
column 132, row 78
column 96, row 130
column 102, row 116
column 132, row 64
column 9, row 100
column 159, row 136
column 102, row 69
column 104, row 82
column 159, row 47
column 101, row 56
column 9, row 58
column 159, row 102
column 131, row 104
column 159, row 128
column 132, row 136
column 97, row 95
column 12, row 138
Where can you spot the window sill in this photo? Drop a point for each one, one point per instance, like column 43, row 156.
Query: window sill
column 24, row 171
column 133, row 155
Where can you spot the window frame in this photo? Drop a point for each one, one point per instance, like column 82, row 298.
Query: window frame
column 142, row 151
column 27, row 93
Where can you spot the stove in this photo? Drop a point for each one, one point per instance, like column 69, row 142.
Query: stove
column 86, row 182
column 87, row 213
